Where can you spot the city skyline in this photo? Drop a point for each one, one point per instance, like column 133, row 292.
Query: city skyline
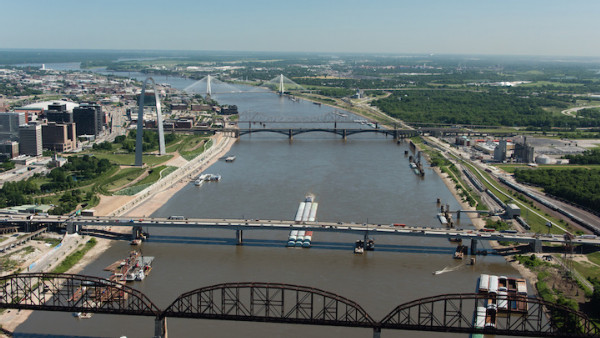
column 552, row 28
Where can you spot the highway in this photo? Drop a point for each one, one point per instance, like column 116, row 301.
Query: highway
column 286, row 225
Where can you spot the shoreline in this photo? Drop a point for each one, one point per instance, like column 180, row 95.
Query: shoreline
column 11, row 319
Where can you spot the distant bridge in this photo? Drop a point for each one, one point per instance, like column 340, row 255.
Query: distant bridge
column 292, row 304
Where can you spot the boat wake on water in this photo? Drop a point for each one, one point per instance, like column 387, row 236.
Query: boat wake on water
column 448, row 269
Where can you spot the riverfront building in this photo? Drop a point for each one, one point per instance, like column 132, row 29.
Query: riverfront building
column 30, row 139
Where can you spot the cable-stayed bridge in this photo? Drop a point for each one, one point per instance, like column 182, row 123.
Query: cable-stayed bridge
column 210, row 85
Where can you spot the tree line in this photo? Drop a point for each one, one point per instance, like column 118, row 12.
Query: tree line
column 581, row 186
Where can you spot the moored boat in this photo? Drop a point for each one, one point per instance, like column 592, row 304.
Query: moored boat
column 359, row 247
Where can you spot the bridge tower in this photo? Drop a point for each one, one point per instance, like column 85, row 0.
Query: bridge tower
column 281, row 89
column 140, row 123
column 208, row 88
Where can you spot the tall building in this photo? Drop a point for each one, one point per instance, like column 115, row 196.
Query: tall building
column 57, row 106
column 9, row 149
column 59, row 116
column 88, row 119
column 9, row 125
column 59, row 136
column 30, row 139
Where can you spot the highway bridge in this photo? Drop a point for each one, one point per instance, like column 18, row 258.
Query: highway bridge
column 73, row 224
column 292, row 304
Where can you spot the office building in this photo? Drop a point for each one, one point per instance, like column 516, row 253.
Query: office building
column 30, row 139
column 9, row 125
column 59, row 116
column 88, row 119
column 59, row 136
column 9, row 149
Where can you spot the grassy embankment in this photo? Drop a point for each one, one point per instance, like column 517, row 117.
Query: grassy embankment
column 537, row 223
column 446, row 166
column 75, row 257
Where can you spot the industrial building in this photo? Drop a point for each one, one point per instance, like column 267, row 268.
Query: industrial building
column 30, row 139
column 523, row 153
column 500, row 151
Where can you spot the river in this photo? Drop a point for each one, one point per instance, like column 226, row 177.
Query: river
column 364, row 179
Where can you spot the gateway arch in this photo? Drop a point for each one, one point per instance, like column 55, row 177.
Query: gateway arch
column 140, row 124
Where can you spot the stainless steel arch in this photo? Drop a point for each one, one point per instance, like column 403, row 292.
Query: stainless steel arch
column 140, row 123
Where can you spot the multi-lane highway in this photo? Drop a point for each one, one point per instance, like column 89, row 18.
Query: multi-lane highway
column 256, row 224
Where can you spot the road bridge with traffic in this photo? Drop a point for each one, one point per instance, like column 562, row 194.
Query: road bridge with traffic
column 73, row 224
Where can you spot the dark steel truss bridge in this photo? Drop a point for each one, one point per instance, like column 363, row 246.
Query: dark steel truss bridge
column 293, row 304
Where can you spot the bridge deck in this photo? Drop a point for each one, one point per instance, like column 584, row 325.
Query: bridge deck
column 286, row 225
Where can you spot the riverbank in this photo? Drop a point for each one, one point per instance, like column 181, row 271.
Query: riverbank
column 11, row 319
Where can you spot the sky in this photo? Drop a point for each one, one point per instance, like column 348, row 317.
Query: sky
column 500, row 27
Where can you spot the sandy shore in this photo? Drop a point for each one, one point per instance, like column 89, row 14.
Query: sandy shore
column 11, row 319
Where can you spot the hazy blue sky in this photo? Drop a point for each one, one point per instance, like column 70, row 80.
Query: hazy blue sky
column 533, row 27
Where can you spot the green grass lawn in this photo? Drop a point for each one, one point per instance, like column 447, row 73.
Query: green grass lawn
column 123, row 177
column 594, row 257
column 190, row 155
column 157, row 173
column 586, row 269
column 129, row 159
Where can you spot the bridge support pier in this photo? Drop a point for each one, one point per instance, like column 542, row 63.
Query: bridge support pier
column 537, row 245
column 160, row 328
column 344, row 134
column 458, row 214
column 136, row 231
column 473, row 246
column 72, row 228
column 291, row 134
column 377, row 332
column 239, row 237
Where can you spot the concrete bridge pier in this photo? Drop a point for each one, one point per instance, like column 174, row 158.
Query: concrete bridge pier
column 290, row 134
column 458, row 214
column 377, row 332
column 473, row 246
column 344, row 134
column 136, row 232
column 72, row 228
column 537, row 245
column 239, row 237
column 160, row 327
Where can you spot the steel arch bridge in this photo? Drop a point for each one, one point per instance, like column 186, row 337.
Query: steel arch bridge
column 455, row 312
column 343, row 132
column 72, row 293
column 293, row 304
column 269, row 302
